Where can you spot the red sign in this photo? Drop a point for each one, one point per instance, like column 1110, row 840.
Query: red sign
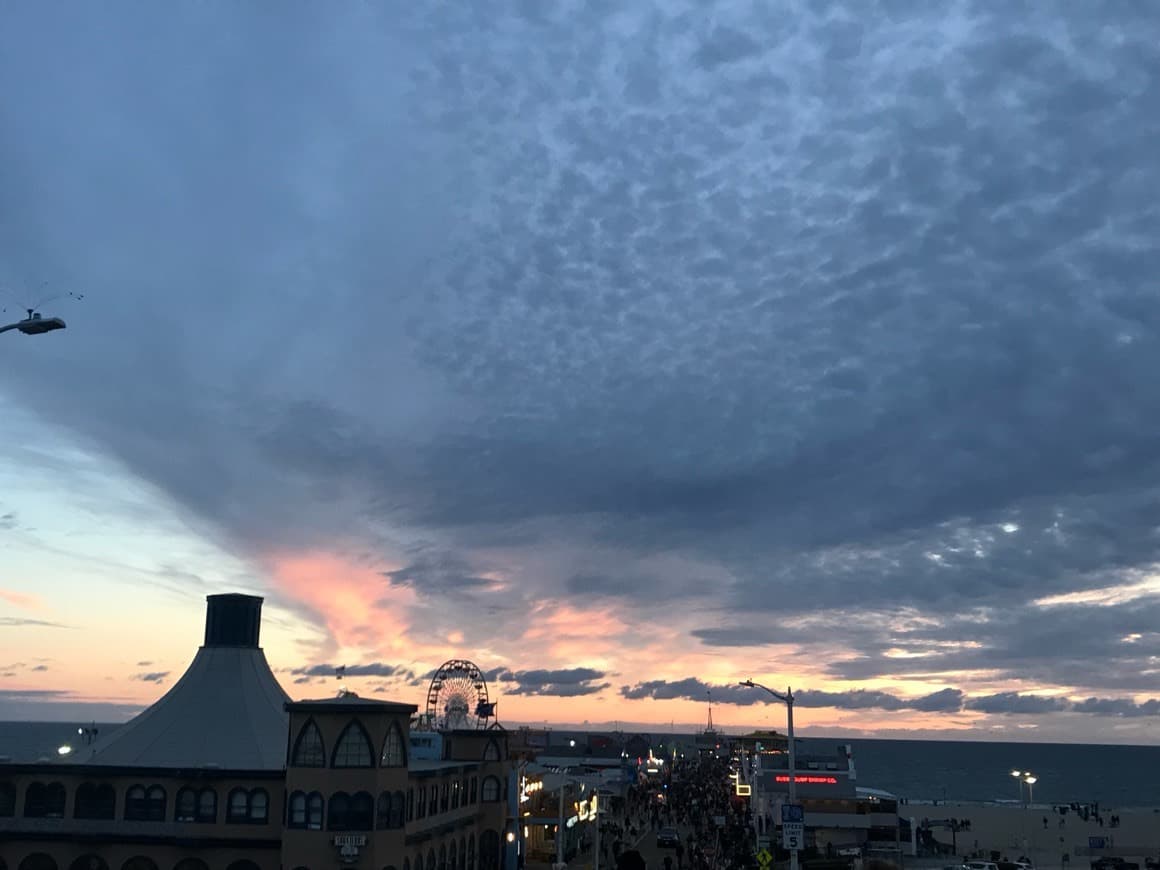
column 808, row 780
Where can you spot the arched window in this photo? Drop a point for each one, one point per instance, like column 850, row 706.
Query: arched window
column 296, row 810
column 383, row 813
column 353, row 748
column 394, row 752
column 431, row 865
column 207, row 805
column 44, row 801
column 432, row 799
column 95, row 801
column 462, row 854
column 190, row 864
column 338, row 811
column 451, row 856
column 7, row 799
column 89, row 862
column 308, row 748
column 489, row 850
column 139, row 862
column 490, row 792
column 38, row 861
column 491, row 751
column 193, row 805
column 398, row 810
column 238, row 808
column 471, row 852
column 362, row 812
column 443, row 857
column 314, row 813
column 259, row 806
column 474, row 794
column 145, row 804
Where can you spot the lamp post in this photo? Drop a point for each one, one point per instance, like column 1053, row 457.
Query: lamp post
column 35, row 324
column 1018, row 774
column 786, row 699
column 1030, row 780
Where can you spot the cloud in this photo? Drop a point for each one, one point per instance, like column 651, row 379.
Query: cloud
column 368, row 669
column 19, row 621
column 562, row 683
column 152, row 676
column 824, row 312
column 8, row 521
column 20, row 599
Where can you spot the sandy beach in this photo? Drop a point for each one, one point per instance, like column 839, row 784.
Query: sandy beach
column 1014, row 831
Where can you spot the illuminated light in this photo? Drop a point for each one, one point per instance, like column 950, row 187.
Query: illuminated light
column 64, row 750
column 744, row 789
column 526, row 833
column 808, row 780
column 511, row 837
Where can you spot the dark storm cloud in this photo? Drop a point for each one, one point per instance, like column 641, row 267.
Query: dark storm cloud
column 563, row 683
column 857, row 306
column 948, row 700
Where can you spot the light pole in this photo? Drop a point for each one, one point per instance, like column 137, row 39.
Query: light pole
column 1030, row 780
column 786, row 699
column 1018, row 774
column 35, row 324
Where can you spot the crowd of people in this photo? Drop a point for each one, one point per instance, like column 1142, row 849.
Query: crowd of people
column 695, row 798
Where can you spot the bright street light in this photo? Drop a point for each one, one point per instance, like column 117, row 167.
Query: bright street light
column 35, row 324
column 786, row 699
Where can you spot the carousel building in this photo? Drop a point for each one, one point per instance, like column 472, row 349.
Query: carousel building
column 226, row 772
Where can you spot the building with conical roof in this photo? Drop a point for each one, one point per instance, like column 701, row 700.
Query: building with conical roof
column 226, row 772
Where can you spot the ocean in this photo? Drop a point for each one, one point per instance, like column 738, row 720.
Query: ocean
column 1116, row 776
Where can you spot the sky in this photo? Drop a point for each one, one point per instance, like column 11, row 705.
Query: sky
column 626, row 350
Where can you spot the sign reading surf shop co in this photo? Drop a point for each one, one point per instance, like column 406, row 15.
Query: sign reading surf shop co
column 348, row 846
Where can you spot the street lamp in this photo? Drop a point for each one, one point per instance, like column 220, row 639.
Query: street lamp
column 1030, row 780
column 786, row 699
column 1018, row 774
column 35, row 324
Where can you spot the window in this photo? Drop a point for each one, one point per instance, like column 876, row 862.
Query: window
column 489, row 850
column 353, row 748
column 207, row 805
column 410, row 804
column 338, row 811
column 44, row 801
column 145, row 804
column 491, row 751
column 421, row 802
column 444, row 797
column 305, row 811
column 238, row 808
column 432, row 799
column 248, row 807
column 351, row 813
column 490, row 792
column 474, row 794
column 193, row 805
column 95, row 801
column 7, row 799
column 398, row 810
column 308, row 748
column 383, row 814
column 394, row 755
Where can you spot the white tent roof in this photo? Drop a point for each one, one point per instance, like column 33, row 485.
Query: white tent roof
column 226, row 711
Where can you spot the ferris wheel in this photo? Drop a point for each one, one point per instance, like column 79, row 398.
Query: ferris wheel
column 457, row 697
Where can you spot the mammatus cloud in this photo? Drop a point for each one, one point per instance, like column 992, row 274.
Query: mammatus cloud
column 848, row 310
column 943, row 701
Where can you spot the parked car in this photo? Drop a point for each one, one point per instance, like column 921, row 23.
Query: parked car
column 668, row 838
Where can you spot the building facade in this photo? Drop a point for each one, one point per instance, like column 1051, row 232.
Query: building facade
column 225, row 772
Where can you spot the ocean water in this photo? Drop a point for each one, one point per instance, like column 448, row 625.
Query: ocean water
column 1116, row 776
